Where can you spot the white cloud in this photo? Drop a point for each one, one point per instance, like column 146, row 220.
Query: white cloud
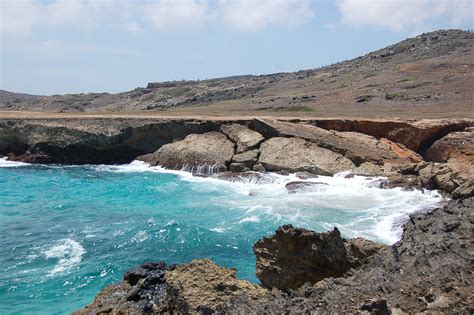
column 399, row 14
column 170, row 15
column 24, row 17
column 133, row 27
column 257, row 14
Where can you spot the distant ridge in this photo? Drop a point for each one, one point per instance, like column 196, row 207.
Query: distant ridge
column 432, row 73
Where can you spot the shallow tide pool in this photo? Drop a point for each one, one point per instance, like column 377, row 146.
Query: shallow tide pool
column 68, row 231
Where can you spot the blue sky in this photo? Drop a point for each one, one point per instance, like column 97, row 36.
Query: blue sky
column 73, row 46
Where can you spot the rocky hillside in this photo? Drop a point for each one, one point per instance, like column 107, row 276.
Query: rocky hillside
column 429, row 76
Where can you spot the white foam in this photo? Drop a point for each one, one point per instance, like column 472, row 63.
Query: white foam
column 379, row 212
column 253, row 218
column 69, row 254
column 218, row 229
column 5, row 163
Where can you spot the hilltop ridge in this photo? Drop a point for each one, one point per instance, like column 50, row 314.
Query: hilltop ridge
column 428, row 76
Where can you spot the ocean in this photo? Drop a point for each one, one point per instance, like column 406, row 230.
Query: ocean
column 68, row 231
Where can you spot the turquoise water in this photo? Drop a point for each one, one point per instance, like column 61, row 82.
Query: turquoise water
column 66, row 232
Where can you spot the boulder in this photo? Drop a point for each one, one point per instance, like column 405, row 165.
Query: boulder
column 299, row 155
column 357, row 147
column 457, row 150
column 244, row 137
column 238, row 167
column 205, row 285
column 155, row 288
column 207, row 152
column 294, row 256
column 249, row 158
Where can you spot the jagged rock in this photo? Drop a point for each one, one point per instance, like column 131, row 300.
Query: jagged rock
column 293, row 187
column 209, row 149
column 238, row 167
column 202, row 283
column 457, row 150
column 144, row 290
column 357, row 147
column 293, row 256
column 244, row 137
column 466, row 190
column 259, row 168
column 359, row 251
column 155, row 288
column 299, row 155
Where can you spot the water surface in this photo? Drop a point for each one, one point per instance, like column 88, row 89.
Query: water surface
column 68, row 231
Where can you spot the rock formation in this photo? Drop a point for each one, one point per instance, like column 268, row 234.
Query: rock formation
column 209, row 150
column 428, row 270
column 299, row 155
column 245, row 138
column 294, row 256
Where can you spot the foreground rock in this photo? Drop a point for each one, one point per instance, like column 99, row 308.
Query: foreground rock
column 155, row 288
column 428, row 270
column 293, row 256
column 299, row 155
column 197, row 153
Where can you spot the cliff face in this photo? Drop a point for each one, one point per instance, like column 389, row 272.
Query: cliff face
column 399, row 149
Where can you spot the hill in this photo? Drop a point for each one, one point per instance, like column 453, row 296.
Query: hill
column 428, row 76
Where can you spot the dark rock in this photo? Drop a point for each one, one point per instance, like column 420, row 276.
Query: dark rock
column 293, row 187
column 376, row 307
column 293, row 256
column 466, row 190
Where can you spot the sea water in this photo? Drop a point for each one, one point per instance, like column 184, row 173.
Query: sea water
column 68, row 231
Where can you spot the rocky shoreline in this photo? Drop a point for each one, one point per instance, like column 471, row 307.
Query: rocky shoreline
column 428, row 270
column 430, row 154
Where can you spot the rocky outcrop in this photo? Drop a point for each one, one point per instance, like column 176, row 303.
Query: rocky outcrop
column 91, row 141
column 428, row 270
column 299, row 155
column 416, row 135
column 246, row 160
column 155, row 288
column 204, row 285
column 294, row 256
column 245, row 138
column 208, row 151
column 457, row 150
column 357, row 147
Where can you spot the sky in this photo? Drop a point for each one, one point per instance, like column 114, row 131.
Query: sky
column 79, row 46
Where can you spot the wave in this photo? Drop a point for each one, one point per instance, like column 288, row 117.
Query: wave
column 384, row 210
column 69, row 254
column 6, row 163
